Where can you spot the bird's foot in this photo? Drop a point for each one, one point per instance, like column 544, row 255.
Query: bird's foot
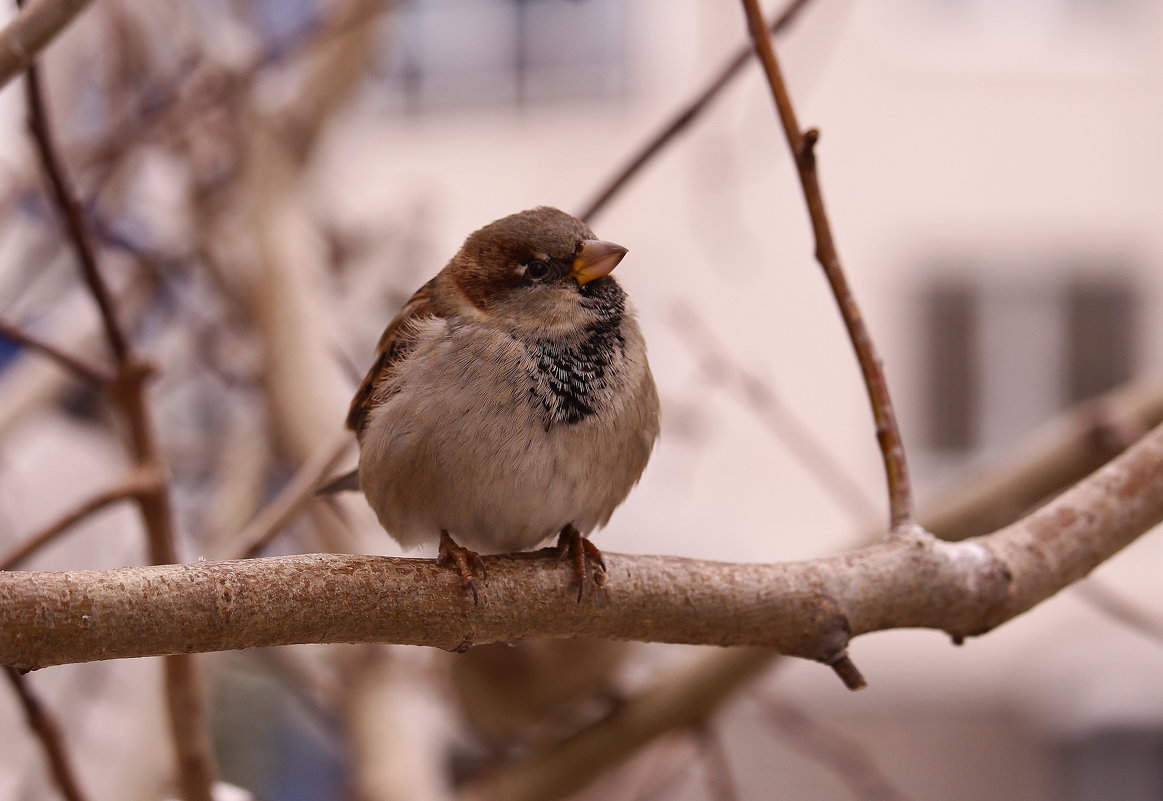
column 587, row 559
column 468, row 564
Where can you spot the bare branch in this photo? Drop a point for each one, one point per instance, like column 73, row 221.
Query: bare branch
column 1060, row 453
column 847, row 757
column 686, row 115
column 184, row 693
column 1122, row 609
column 682, row 699
column 341, row 55
column 721, row 785
column 77, row 366
column 808, row 609
column 35, row 27
column 132, row 486
column 65, row 201
column 803, row 146
column 49, row 735
column 297, row 492
column 758, row 396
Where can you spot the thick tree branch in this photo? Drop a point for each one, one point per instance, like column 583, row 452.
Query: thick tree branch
column 803, row 147
column 808, row 609
column 35, row 26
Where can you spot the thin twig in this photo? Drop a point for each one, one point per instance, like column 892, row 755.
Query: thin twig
column 758, row 396
column 183, row 691
column 684, row 698
column 656, row 773
column 197, row 91
column 803, row 150
column 682, row 119
column 77, row 366
column 1118, row 607
column 721, row 785
column 132, row 486
column 251, row 541
column 846, row 756
column 32, row 30
column 49, row 735
column 72, row 216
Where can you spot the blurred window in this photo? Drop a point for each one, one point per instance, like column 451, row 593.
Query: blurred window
column 1120, row 763
column 450, row 53
column 998, row 357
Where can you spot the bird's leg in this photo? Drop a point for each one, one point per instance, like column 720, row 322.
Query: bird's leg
column 587, row 559
column 468, row 564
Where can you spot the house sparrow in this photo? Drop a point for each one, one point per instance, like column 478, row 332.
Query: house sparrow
column 510, row 399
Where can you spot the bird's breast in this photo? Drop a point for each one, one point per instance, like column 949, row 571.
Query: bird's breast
column 503, row 442
column 571, row 380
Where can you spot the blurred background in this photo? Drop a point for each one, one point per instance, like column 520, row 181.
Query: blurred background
column 268, row 180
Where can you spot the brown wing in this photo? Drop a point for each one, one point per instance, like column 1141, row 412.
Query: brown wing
column 395, row 344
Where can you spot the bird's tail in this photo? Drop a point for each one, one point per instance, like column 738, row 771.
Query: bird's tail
column 344, row 483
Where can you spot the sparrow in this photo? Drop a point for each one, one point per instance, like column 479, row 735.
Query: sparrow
column 510, row 399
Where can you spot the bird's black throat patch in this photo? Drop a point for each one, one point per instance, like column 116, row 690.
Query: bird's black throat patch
column 571, row 377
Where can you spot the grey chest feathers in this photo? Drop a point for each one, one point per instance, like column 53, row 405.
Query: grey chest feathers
column 570, row 381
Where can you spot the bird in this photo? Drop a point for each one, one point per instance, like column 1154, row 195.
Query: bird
column 509, row 401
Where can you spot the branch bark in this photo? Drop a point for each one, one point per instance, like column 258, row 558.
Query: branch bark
column 808, row 609
column 34, row 28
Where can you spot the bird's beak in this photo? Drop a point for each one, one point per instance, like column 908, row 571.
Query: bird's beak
column 595, row 259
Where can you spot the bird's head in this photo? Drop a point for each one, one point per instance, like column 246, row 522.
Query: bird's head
column 539, row 273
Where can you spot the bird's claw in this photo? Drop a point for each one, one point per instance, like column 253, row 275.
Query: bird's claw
column 587, row 559
column 468, row 564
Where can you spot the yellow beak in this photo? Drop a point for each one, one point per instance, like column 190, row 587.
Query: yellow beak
column 595, row 259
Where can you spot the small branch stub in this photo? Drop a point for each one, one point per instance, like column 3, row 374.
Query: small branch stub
column 846, row 669
column 806, row 152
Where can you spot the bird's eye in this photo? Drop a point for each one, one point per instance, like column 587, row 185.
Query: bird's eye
column 536, row 270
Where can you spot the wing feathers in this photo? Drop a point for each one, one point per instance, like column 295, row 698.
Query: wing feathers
column 396, row 343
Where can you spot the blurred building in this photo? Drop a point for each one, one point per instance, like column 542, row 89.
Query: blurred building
column 994, row 176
